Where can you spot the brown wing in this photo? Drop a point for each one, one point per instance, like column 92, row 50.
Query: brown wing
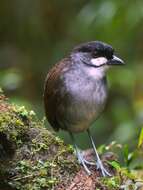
column 52, row 91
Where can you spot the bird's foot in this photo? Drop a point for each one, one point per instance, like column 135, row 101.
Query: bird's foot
column 85, row 161
column 103, row 169
column 89, row 163
column 97, row 158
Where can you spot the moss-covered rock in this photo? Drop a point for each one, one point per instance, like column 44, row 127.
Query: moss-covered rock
column 31, row 157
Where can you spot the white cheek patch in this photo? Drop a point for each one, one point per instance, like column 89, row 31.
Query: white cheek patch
column 98, row 61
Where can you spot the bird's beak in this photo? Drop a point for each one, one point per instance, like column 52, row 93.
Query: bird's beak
column 115, row 61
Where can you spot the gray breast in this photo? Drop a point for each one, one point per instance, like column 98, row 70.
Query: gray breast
column 85, row 100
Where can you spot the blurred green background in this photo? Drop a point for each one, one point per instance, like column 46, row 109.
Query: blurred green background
column 35, row 34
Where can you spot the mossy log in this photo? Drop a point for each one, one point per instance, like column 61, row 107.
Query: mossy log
column 33, row 158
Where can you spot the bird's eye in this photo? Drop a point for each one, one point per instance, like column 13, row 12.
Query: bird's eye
column 109, row 56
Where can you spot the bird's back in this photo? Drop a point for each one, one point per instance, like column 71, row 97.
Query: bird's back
column 52, row 91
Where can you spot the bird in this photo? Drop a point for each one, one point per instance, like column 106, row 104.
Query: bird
column 76, row 91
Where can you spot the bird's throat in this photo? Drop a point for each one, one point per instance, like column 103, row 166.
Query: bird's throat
column 97, row 73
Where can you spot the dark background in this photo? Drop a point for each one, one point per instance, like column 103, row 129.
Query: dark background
column 35, row 34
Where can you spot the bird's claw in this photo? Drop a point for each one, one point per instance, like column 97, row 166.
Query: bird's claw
column 103, row 170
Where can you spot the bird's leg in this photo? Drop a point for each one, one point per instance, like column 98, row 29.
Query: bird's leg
column 78, row 151
column 85, row 161
column 99, row 162
column 79, row 155
column 88, row 162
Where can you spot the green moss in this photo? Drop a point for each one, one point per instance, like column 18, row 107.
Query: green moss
column 112, row 183
column 40, row 157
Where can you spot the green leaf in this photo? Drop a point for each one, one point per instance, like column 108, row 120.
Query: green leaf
column 115, row 165
column 126, row 153
column 140, row 142
column 128, row 156
column 101, row 149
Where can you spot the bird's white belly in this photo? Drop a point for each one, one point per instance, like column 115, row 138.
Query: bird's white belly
column 86, row 105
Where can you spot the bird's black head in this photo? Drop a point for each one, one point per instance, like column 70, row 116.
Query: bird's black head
column 97, row 54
